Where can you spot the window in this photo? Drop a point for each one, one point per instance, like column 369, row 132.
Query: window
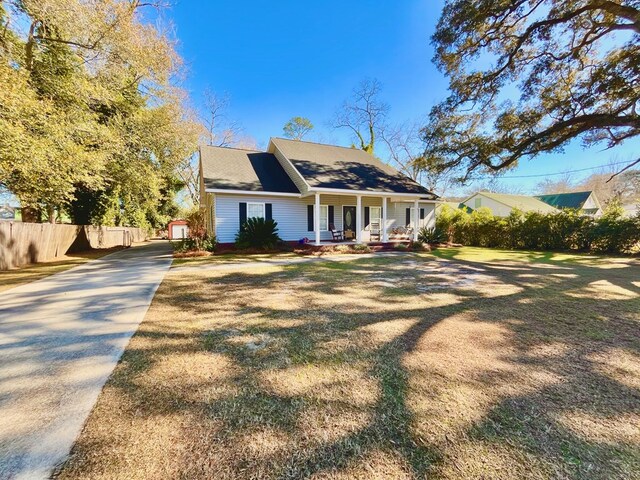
column 324, row 218
column 255, row 210
column 375, row 215
column 421, row 213
column 478, row 202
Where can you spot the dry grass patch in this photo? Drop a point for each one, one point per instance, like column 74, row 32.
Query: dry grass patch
column 229, row 258
column 407, row 366
column 31, row 273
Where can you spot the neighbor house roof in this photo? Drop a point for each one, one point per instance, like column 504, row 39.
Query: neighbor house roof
column 521, row 202
column 236, row 169
column 566, row 200
column 330, row 166
column 455, row 206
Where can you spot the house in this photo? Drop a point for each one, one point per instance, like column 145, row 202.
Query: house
column 310, row 189
column 452, row 206
column 586, row 202
column 501, row 204
column 8, row 212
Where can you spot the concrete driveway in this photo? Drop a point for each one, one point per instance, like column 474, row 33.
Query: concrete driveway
column 60, row 338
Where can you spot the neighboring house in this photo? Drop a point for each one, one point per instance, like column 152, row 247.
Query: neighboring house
column 501, row 204
column 586, row 202
column 307, row 188
column 8, row 212
column 452, row 205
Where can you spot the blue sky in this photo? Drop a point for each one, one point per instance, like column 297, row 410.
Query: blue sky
column 280, row 59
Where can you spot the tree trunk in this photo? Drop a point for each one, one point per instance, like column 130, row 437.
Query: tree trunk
column 29, row 45
column 29, row 215
column 51, row 213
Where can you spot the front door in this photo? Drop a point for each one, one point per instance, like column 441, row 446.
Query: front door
column 349, row 221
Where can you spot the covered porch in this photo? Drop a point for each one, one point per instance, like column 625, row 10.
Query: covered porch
column 366, row 218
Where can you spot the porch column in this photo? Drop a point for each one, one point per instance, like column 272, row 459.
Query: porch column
column 316, row 219
column 416, row 219
column 385, row 235
column 358, row 219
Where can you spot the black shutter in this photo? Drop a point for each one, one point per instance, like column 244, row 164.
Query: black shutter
column 366, row 217
column 268, row 211
column 310, row 218
column 243, row 214
column 422, row 214
column 408, row 222
column 331, row 218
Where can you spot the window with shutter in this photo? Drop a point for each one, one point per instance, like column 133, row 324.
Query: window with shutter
column 324, row 218
column 255, row 210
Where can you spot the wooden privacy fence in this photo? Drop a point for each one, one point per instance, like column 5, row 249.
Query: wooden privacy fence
column 23, row 243
column 107, row 237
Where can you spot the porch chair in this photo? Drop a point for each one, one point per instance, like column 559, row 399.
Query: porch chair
column 374, row 231
column 338, row 235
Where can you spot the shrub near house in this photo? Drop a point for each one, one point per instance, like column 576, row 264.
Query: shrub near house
column 198, row 240
column 565, row 230
column 257, row 232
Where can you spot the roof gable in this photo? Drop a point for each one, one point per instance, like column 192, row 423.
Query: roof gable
column 521, row 202
column 334, row 167
column 248, row 170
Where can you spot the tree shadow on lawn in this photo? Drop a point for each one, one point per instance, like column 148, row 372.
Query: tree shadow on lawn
column 354, row 379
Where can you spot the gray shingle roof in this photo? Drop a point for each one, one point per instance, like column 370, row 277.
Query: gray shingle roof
column 329, row 166
column 236, row 169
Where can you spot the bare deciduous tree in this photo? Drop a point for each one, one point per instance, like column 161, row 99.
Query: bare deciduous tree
column 495, row 185
column 364, row 114
column 564, row 184
column 220, row 130
column 407, row 153
column 623, row 187
column 405, row 147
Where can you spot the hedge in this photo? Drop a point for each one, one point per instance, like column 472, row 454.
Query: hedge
column 566, row 230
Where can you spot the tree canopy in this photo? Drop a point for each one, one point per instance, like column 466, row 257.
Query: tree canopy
column 91, row 121
column 297, row 128
column 530, row 76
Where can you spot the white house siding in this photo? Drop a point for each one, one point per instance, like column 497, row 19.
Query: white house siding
column 397, row 215
column 291, row 214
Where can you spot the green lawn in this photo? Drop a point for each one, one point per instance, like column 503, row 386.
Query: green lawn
column 465, row 363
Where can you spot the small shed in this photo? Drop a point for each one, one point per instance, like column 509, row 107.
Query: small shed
column 178, row 229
